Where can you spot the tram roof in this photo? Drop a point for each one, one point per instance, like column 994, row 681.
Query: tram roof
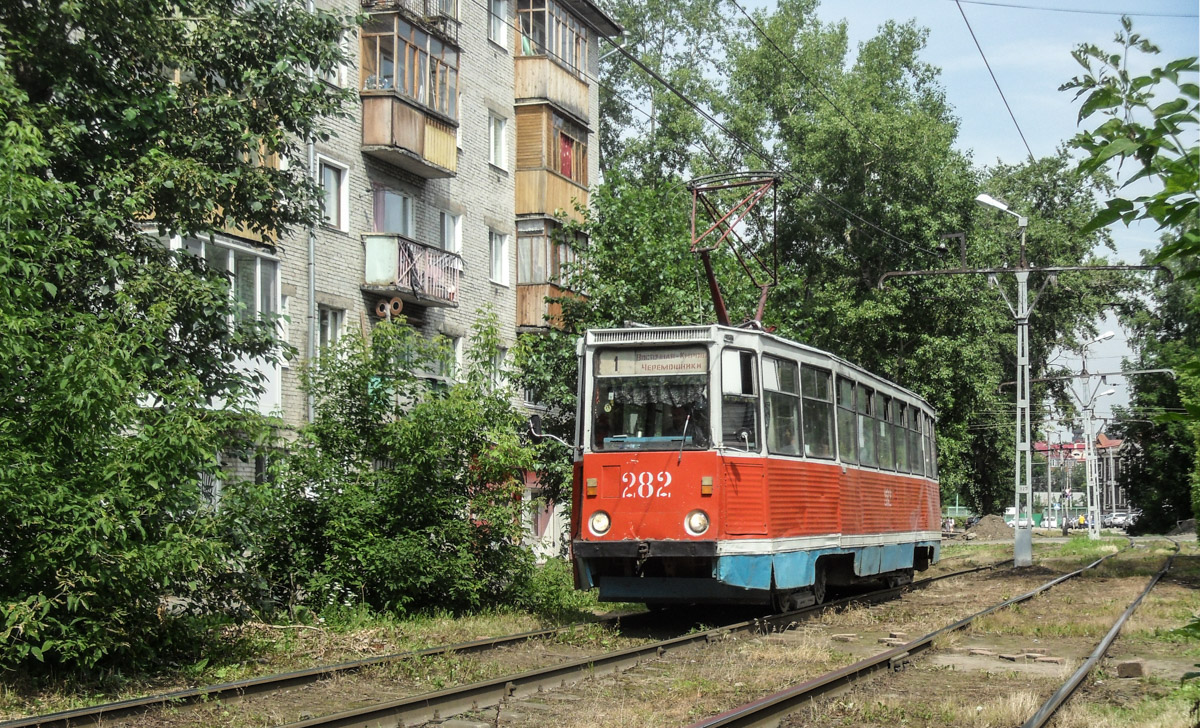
column 712, row 333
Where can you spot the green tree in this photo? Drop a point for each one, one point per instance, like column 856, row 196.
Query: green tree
column 116, row 119
column 1152, row 122
column 402, row 494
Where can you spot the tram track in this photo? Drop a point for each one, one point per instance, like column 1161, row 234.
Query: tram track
column 430, row 706
column 770, row 710
column 440, row 705
column 125, row 709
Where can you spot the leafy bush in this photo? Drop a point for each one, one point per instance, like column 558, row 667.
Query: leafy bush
column 404, row 493
column 551, row 593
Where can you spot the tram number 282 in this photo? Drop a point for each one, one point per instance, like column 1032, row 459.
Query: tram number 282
column 646, row 484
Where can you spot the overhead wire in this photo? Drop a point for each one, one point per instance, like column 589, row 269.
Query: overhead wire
column 1081, row 11
column 815, row 86
column 994, row 80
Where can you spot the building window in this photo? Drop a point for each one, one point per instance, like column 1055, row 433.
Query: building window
column 498, row 255
column 331, row 322
column 334, row 198
column 543, row 256
column 497, row 373
column 406, row 60
column 498, row 23
column 547, row 29
column 254, row 279
column 568, row 149
column 393, row 211
column 449, row 232
column 497, row 149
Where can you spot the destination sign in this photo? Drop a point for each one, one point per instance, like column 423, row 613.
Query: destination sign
column 651, row 362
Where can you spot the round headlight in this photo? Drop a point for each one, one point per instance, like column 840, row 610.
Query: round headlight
column 696, row 522
column 599, row 523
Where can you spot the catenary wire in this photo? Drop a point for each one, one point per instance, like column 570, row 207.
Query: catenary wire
column 1081, row 11
column 807, row 79
column 996, row 82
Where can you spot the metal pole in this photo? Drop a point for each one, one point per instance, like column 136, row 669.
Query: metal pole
column 1023, row 533
column 1090, row 473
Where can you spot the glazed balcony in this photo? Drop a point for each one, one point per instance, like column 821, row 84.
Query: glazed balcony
column 414, row 272
column 437, row 16
column 406, row 136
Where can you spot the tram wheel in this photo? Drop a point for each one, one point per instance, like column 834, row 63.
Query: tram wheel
column 818, row 587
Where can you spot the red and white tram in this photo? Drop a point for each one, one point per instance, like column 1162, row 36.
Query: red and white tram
column 729, row 465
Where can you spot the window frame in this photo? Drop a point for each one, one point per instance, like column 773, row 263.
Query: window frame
column 498, row 24
column 827, row 404
column 498, row 254
column 497, row 140
column 379, row 196
column 341, row 221
column 779, row 396
column 331, row 323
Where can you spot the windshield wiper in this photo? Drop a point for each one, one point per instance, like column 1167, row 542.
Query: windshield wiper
column 683, row 438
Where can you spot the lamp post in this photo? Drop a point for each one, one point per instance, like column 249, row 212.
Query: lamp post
column 1023, row 537
column 1023, row 470
column 1093, row 504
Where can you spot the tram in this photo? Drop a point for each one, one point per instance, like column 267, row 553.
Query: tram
column 729, row 465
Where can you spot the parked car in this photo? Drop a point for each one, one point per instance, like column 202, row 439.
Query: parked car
column 972, row 520
column 1120, row 520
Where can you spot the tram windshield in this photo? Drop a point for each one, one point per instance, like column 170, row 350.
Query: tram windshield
column 651, row 399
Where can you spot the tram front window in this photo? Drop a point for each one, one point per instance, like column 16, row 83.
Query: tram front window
column 651, row 411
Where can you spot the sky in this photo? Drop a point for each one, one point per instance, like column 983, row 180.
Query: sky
column 1029, row 51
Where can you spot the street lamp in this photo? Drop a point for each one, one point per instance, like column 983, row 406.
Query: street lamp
column 1023, row 475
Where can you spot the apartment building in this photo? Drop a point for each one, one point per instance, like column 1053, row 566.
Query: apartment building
column 471, row 135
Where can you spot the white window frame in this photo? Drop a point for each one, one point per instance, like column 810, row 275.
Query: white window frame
column 497, row 140
column 498, row 23
column 499, row 380
column 498, row 254
column 379, row 193
column 450, row 231
column 342, row 220
column 331, row 323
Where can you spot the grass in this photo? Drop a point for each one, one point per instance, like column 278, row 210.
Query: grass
column 232, row 652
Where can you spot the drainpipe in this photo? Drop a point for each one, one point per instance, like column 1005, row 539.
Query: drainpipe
column 311, row 348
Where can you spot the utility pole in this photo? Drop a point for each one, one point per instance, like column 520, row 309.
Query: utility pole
column 1023, row 476
column 1087, row 407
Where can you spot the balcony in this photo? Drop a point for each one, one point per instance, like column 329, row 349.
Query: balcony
column 534, row 311
column 544, row 192
column 437, row 16
column 411, row 271
column 540, row 78
column 399, row 133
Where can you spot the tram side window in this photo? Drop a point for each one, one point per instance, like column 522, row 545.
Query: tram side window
column 818, row 412
column 739, row 400
column 914, row 440
column 782, row 388
column 928, row 437
column 883, row 412
column 866, row 425
column 899, row 434
column 931, row 449
column 846, row 433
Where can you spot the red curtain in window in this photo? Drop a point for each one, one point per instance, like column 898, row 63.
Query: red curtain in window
column 565, row 149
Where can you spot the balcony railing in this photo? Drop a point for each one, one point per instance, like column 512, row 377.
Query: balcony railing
column 414, row 272
column 439, row 16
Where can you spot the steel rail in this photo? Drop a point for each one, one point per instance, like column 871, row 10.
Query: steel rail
column 1051, row 706
column 97, row 714
column 769, row 710
column 442, row 704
